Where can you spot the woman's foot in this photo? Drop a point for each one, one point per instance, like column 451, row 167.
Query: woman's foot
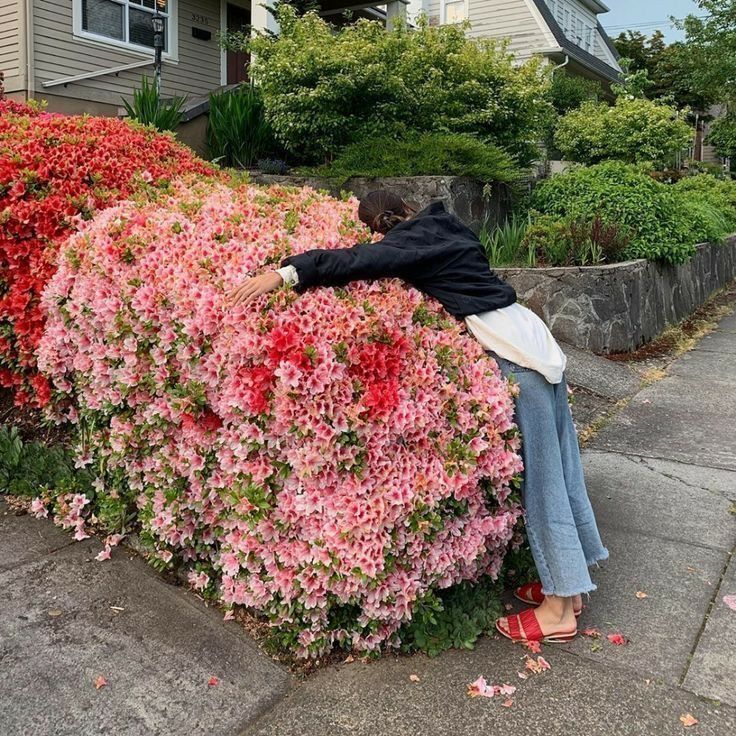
column 531, row 593
column 552, row 622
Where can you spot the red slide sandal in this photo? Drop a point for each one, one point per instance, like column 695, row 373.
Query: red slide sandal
column 525, row 627
column 531, row 593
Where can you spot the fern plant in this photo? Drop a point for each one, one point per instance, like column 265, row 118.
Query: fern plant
column 147, row 107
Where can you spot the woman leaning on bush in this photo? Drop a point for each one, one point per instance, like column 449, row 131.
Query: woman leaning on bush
column 434, row 252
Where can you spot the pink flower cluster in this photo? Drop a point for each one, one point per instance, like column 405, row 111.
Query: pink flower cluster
column 326, row 458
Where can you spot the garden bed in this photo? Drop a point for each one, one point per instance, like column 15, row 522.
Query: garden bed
column 470, row 199
column 619, row 307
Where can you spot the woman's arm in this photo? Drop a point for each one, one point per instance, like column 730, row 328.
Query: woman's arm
column 338, row 267
column 363, row 261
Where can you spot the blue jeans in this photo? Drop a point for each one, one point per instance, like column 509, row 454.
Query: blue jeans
column 563, row 535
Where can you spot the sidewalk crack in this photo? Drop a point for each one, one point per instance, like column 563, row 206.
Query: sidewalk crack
column 711, row 605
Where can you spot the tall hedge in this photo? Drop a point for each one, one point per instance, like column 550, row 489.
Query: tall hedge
column 324, row 89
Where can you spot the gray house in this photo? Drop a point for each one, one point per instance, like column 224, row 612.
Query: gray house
column 85, row 55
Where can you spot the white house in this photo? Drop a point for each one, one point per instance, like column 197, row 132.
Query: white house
column 566, row 32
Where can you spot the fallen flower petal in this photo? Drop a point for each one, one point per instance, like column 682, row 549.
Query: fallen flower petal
column 543, row 663
column 533, row 646
column 507, row 703
column 640, row 594
column 688, row 719
column 104, row 555
column 100, row 681
column 507, row 690
column 414, row 678
column 617, row 639
column 478, row 688
column 593, row 633
column 730, row 601
column 213, row 681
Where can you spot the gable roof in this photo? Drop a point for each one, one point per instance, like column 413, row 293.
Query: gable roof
column 578, row 52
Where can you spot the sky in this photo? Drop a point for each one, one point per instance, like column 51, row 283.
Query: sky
column 647, row 16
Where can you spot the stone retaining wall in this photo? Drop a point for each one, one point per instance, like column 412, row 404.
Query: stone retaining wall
column 618, row 308
column 469, row 199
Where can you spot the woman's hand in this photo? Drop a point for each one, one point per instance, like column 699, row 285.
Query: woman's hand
column 254, row 287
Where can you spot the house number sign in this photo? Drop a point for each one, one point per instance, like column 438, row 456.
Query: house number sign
column 203, row 19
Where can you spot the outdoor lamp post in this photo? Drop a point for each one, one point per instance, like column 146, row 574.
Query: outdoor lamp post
column 157, row 22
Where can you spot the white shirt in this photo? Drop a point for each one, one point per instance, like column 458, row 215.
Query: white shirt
column 514, row 333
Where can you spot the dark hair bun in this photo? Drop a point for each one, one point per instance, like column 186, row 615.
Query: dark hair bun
column 382, row 210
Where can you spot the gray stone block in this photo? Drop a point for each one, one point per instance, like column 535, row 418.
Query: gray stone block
column 24, row 538
column 157, row 650
column 679, row 579
column 601, row 376
column 708, row 365
column 657, row 497
column 575, row 696
column 712, row 672
column 674, row 419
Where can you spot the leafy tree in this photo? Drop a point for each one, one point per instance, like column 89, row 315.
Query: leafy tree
column 712, row 42
column 670, row 69
column 723, row 136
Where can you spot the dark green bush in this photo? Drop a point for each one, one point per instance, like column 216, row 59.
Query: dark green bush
column 28, row 467
column 421, row 154
column 237, row 131
column 619, row 193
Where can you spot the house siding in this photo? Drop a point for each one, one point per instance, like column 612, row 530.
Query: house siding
column 12, row 39
column 58, row 54
column 507, row 19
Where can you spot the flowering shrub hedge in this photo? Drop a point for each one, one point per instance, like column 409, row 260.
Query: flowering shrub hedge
column 329, row 459
column 55, row 169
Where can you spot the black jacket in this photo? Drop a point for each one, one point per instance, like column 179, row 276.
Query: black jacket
column 433, row 251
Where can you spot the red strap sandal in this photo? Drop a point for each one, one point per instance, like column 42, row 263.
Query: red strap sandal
column 532, row 595
column 525, row 627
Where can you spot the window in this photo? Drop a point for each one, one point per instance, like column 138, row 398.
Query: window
column 454, row 11
column 126, row 22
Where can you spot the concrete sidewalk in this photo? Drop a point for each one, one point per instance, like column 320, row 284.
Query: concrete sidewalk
column 662, row 476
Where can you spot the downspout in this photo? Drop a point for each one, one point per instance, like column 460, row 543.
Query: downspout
column 564, row 63
column 30, row 69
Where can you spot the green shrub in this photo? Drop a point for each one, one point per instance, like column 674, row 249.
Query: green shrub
column 552, row 241
column 237, row 131
column 620, row 193
column 148, row 109
column 422, row 154
column 633, row 130
column 708, row 205
column 325, row 88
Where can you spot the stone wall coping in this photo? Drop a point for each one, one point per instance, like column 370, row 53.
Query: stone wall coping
column 602, row 267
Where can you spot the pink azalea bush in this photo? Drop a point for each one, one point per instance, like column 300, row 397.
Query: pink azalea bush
column 327, row 459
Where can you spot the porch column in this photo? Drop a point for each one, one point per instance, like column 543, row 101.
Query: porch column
column 261, row 19
column 395, row 11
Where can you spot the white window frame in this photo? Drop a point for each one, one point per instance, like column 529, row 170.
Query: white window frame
column 443, row 11
column 95, row 39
